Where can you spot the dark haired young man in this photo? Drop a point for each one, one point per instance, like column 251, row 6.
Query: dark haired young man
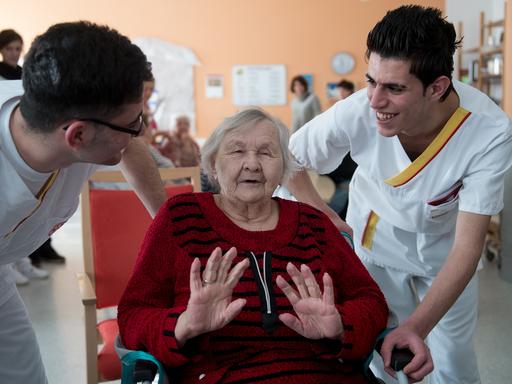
column 431, row 155
column 80, row 106
column 345, row 89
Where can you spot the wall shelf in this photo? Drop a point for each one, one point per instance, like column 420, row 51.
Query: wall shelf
column 482, row 66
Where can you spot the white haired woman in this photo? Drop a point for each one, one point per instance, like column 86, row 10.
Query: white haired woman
column 242, row 287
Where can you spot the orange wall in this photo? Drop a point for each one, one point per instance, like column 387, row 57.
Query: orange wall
column 302, row 34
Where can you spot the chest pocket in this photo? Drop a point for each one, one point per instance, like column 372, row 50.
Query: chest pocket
column 443, row 208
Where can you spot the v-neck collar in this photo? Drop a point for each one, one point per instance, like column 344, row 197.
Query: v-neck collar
column 442, row 138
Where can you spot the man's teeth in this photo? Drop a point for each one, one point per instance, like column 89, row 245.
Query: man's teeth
column 385, row 116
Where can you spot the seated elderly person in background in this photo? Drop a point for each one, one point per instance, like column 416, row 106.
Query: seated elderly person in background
column 179, row 145
column 242, row 287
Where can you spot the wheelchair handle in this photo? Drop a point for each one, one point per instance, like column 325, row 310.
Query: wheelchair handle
column 144, row 371
column 400, row 358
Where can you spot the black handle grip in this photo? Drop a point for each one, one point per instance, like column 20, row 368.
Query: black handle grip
column 400, row 358
column 144, row 370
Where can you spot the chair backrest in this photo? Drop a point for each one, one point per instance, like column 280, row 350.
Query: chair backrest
column 114, row 223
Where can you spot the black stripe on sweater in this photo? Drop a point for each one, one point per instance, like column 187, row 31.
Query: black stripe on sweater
column 302, row 247
column 280, row 308
column 201, row 242
column 303, row 260
column 183, row 204
column 259, row 339
column 188, row 216
column 300, row 372
column 304, row 235
column 270, row 362
column 310, row 215
column 192, row 229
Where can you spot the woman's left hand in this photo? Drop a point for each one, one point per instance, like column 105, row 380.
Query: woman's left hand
column 317, row 316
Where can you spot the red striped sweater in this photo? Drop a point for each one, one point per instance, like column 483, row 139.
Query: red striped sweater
column 245, row 351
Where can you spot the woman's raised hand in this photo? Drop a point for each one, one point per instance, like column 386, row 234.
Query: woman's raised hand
column 210, row 306
column 317, row 316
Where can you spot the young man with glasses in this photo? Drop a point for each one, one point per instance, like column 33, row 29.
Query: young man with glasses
column 80, row 107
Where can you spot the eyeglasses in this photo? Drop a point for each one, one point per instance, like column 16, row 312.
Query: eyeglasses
column 138, row 121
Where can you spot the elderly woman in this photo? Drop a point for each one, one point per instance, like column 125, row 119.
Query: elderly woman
column 242, row 287
column 179, row 145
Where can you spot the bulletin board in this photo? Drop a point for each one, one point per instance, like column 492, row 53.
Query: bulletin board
column 259, row 85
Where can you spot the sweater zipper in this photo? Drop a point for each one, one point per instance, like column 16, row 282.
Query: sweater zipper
column 263, row 280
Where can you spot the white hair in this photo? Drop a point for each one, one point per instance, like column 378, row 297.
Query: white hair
column 240, row 120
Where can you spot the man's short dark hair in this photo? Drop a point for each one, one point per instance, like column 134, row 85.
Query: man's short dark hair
column 80, row 70
column 346, row 84
column 420, row 35
column 7, row 36
column 300, row 79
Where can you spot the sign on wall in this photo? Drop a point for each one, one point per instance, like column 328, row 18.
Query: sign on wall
column 214, row 86
column 259, row 84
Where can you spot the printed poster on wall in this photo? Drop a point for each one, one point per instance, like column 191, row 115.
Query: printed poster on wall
column 259, row 84
column 214, row 86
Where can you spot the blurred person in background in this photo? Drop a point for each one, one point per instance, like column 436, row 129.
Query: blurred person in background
column 305, row 104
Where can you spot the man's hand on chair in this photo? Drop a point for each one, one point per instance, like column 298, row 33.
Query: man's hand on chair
column 405, row 337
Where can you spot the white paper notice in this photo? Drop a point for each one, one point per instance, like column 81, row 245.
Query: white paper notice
column 259, row 84
column 214, row 86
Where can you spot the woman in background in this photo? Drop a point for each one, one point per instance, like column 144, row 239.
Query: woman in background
column 305, row 104
column 11, row 45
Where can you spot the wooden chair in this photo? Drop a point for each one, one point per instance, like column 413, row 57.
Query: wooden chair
column 114, row 223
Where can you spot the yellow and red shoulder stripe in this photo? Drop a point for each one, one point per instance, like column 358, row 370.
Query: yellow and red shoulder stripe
column 450, row 128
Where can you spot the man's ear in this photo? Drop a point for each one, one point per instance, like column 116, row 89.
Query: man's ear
column 438, row 87
column 79, row 134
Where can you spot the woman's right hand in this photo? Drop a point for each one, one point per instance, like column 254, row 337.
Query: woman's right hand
column 210, row 306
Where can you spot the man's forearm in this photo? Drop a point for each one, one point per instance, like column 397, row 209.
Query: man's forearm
column 302, row 188
column 457, row 271
column 141, row 172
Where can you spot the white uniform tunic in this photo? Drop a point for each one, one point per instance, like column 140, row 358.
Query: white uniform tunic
column 462, row 169
column 403, row 213
column 33, row 205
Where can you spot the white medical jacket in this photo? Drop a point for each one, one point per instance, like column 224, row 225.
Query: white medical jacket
column 403, row 213
column 27, row 221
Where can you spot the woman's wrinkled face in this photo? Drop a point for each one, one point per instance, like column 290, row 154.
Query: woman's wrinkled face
column 249, row 163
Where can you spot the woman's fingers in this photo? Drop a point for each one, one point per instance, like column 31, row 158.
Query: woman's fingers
column 195, row 275
column 212, row 266
column 298, row 279
column 328, row 295
column 309, row 279
column 305, row 281
column 290, row 293
column 236, row 273
column 233, row 309
column 225, row 264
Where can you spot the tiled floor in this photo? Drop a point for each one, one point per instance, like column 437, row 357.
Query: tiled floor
column 56, row 311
